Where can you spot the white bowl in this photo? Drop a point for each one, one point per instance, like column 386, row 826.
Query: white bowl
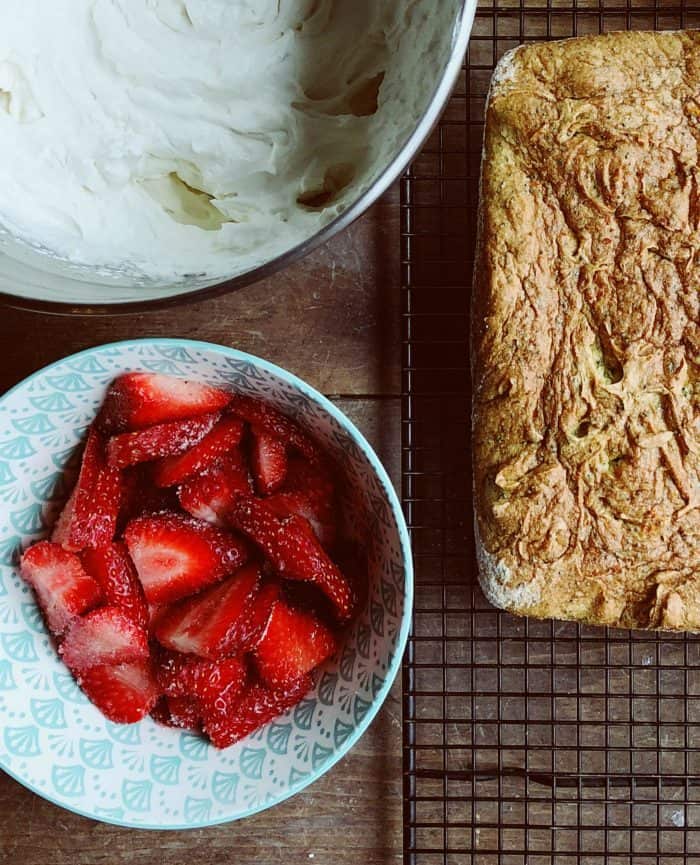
column 57, row 743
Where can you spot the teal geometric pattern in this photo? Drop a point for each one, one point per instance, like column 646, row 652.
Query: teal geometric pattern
column 52, row 739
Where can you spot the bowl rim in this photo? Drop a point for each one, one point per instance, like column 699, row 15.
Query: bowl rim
column 461, row 30
column 404, row 543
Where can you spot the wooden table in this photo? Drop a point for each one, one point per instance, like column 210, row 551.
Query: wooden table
column 332, row 319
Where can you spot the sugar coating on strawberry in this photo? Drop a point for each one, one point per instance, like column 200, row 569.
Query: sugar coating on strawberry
column 169, row 667
column 124, row 693
column 260, row 414
column 293, row 644
column 269, row 460
column 161, row 440
column 114, row 571
column 104, row 636
column 294, row 550
column 141, row 399
column 208, row 496
column 177, row 555
column 89, row 518
column 182, row 713
column 255, row 707
column 63, row 588
column 217, row 621
column 216, row 684
column 222, row 439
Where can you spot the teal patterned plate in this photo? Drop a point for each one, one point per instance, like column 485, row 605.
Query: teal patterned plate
column 52, row 739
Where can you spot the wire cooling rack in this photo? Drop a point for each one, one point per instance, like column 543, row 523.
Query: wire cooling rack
column 525, row 742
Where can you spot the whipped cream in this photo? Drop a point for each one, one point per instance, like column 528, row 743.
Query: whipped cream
column 168, row 139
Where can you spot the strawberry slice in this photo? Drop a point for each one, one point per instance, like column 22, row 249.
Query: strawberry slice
column 124, row 693
column 210, row 495
column 213, row 681
column 227, row 724
column 225, row 436
column 114, row 571
column 292, row 645
column 169, row 670
column 183, row 713
column 62, row 587
column 105, row 636
column 285, row 504
column 140, row 399
column 89, row 518
column 294, row 550
column 162, row 440
column 177, row 555
column 269, row 459
column 216, row 622
column 260, row 414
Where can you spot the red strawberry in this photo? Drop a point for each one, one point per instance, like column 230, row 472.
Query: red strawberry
column 256, row 707
column 259, row 414
column 105, row 636
column 215, row 622
column 124, row 693
column 162, row 440
column 210, row 495
column 62, row 587
column 292, row 645
column 89, row 518
column 183, row 713
column 284, row 504
column 114, row 572
column 223, row 438
column 259, row 615
column 169, row 667
column 291, row 545
column 269, row 458
column 215, row 683
column 140, row 399
column 176, row 555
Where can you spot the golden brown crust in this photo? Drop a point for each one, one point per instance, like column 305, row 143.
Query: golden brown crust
column 586, row 332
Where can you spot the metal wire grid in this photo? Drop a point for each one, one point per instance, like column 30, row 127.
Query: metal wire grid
column 524, row 742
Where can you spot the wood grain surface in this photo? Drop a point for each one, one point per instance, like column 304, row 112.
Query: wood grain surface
column 332, row 319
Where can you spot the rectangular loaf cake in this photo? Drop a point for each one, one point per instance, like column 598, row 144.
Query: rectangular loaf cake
column 586, row 335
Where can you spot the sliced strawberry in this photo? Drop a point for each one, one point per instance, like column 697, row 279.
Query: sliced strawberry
column 63, row 589
column 176, row 555
column 210, row 495
column 256, row 707
column 140, row 399
column 105, row 636
column 181, row 675
column 269, row 460
column 162, row 440
column 260, row 414
column 216, row 622
column 293, row 549
column 89, row 518
column 114, row 571
column 225, row 436
column 259, row 615
column 285, row 504
column 212, row 682
column 292, row 645
column 124, row 693
column 183, row 713
column 169, row 670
